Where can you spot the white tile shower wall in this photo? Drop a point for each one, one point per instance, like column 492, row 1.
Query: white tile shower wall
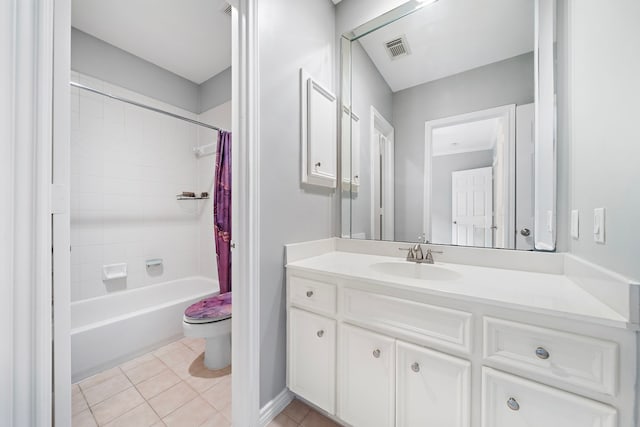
column 127, row 165
column 219, row 116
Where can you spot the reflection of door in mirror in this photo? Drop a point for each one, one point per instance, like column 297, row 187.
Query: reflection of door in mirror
column 469, row 179
column 382, row 173
column 471, row 207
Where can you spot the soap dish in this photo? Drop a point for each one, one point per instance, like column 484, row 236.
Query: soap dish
column 114, row 271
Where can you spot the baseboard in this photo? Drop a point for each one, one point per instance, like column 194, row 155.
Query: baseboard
column 274, row 407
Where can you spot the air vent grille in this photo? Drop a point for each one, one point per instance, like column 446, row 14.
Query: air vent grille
column 397, row 47
column 226, row 9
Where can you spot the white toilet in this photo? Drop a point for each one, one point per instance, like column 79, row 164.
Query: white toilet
column 210, row 318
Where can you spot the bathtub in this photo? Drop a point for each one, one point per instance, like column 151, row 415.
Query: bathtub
column 108, row 330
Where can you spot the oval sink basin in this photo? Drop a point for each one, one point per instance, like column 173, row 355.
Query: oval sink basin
column 413, row 270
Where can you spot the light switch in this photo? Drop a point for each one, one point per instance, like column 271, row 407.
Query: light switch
column 598, row 225
column 575, row 224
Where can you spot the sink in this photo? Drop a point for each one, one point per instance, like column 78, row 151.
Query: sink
column 413, row 270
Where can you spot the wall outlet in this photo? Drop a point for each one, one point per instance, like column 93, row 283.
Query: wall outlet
column 598, row 225
column 575, row 224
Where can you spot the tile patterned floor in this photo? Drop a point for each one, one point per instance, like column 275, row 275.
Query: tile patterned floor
column 298, row 414
column 169, row 387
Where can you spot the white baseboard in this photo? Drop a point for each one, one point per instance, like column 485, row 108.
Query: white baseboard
column 274, row 407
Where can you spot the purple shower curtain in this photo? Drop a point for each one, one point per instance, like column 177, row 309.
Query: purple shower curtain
column 222, row 210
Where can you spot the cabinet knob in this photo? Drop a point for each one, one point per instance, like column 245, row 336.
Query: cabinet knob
column 542, row 353
column 318, row 164
column 525, row 232
column 309, row 294
column 376, row 353
column 320, row 333
column 513, row 404
column 415, row 367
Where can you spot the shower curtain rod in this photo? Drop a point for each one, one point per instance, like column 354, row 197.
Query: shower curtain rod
column 148, row 107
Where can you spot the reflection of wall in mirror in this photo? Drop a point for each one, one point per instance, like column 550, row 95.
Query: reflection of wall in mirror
column 501, row 83
column 369, row 89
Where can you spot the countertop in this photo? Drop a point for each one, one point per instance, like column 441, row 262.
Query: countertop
column 554, row 294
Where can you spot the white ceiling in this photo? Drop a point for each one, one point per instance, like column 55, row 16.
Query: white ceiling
column 189, row 38
column 465, row 137
column 452, row 36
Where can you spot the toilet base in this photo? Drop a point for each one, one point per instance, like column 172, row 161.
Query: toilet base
column 217, row 353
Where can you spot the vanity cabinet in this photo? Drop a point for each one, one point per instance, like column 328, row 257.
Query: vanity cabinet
column 366, row 377
column 312, row 357
column 433, row 389
column 389, row 357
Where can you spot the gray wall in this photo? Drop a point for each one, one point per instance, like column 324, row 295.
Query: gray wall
column 292, row 35
column 369, row 89
column 604, row 131
column 94, row 57
column 442, row 166
column 505, row 82
column 215, row 91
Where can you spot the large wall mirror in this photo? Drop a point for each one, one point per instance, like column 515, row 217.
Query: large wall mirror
column 448, row 125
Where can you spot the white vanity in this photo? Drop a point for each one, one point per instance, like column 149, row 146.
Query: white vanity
column 375, row 340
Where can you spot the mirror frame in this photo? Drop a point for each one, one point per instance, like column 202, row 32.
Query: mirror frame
column 545, row 162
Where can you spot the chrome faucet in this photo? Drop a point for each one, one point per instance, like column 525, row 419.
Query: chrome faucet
column 416, row 255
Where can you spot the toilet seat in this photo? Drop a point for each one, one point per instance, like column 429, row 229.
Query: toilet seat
column 209, row 310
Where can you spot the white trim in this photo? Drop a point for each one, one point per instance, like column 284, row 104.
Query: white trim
column 26, row 168
column 507, row 112
column 377, row 121
column 246, row 219
column 61, row 218
column 274, row 407
column 545, row 188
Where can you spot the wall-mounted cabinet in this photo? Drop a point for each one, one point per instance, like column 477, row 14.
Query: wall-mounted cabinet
column 318, row 133
column 350, row 159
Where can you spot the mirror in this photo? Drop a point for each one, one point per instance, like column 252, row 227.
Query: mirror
column 448, row 125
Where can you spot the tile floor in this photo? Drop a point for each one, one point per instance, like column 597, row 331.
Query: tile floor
column 169, row 387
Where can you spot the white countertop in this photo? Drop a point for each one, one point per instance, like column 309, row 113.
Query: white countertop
column 554, row 294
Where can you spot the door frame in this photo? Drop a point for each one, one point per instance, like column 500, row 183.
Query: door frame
column 379, row 123
column 246, row 219
column 508, row 114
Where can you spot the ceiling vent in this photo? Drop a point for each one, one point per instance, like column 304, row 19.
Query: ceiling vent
column 397, row 47
column 226, row 9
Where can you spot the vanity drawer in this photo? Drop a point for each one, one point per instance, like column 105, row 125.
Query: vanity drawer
column 423, row 322
column 510, row 401
column 312, row 294
column 568, row 358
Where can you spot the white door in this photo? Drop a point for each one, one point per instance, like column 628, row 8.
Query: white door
column 433, row 389
column 382, row 192
column 472, row 207
column 312, row 356
column 525, row 156
column 366, row 380
column 510, row 401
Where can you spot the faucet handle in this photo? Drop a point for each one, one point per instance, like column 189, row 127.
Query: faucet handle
column 411, row 255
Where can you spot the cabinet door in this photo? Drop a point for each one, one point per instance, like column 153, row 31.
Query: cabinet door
column 433, row 389
column 366, row 378
column 510, row 401
column 312, row 358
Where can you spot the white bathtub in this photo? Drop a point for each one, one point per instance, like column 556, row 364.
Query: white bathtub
column 108, row 330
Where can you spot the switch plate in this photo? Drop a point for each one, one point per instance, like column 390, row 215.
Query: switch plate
column 598, row 225
column 575, row 224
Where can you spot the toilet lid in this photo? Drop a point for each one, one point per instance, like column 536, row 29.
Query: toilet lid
column 210, row 309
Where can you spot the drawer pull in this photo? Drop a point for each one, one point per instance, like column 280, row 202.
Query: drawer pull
column 376, row 353
column 320, row 333
column 415, row 367
column 542, row 353
column 309, row 294
column 513, row 404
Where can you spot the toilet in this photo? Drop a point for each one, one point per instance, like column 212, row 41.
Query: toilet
column 210, row 318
